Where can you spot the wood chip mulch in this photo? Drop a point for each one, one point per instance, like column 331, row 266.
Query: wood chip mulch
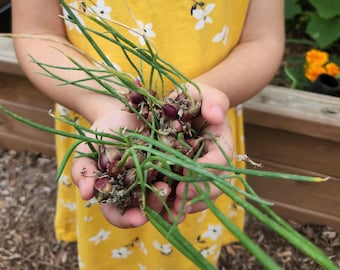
column 27, row 206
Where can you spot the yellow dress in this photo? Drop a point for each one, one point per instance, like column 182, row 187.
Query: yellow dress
column 193, row 38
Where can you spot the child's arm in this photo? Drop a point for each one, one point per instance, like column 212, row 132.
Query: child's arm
column 255, row 60
column 40, row 18
column 246, row 70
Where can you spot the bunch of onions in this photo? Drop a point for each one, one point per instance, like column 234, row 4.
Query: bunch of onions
column 117, row 181
column 130, row 161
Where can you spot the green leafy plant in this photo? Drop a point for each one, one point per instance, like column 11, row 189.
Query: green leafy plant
column 163, row 158
column 319, row 20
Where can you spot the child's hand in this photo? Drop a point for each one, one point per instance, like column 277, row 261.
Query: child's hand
column 214, row 108
column 112, row 116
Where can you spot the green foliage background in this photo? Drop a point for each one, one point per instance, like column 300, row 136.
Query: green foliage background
column 310, row 24
column 318, row 20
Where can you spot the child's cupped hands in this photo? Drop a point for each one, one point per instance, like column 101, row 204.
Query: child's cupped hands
column 112, row 116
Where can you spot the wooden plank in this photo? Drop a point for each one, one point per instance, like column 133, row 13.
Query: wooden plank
column 296, row 132
column 292, row 149
column 316, row 203
column 304, row 202
column 15, row 135
column 8, row 61
column 19, row 90
column 20, row 143
column 34, row 114
column 319, row 197
column 20, row 96
column 296, row 111
column 305, row 216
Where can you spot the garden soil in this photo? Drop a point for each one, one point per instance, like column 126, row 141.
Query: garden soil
column 27, row 240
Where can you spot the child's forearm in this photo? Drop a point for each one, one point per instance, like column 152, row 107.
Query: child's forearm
column 80, row 100
column 40, row 20
column 254, row 61
column 246, row 71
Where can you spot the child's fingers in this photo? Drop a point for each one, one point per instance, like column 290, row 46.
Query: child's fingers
column 192, row 192
column 82, row 173
column 132, row 217
column 173, row 216
column 157, row 200
column 215, row 104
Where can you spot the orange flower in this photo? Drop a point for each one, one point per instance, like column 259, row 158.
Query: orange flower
column 316, row 57
column 313, row 71
column 332, row 69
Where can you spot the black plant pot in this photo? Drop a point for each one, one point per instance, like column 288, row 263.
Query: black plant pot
column 327, row 85
column 5, row 16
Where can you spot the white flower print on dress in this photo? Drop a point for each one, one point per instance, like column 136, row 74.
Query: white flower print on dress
column 213, row 232
column 202, row 15
column 116, row 66
column 101, row 236
column 62, row 110
column 143, row 30
column 164, row 249
column 222, row 36
column 233, row 210
column 72, row 206
column 121, row 253
column 208, row 251
column 71, row 220
column 142, row 267
column 142, row 248
column 101, row 9
column 88, row 219
column 64, row 180
column 80, row 263
column 68, row 18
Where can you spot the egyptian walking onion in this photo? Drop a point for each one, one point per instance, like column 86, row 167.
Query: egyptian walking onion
column 118, row 181
column 130, row 161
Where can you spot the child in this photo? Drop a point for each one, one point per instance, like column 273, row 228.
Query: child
column 230, row 48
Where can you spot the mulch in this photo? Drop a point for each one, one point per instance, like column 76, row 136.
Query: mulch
column 27, row 207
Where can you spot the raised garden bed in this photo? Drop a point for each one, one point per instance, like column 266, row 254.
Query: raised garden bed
column 286, row 130
column 20, row 96
column 297, row 132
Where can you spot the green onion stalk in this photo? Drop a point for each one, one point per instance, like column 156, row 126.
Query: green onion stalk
column 130, row 160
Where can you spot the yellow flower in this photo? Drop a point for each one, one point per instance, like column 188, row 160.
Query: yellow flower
column 332, row 69
column 316, row 57
column 313, row 71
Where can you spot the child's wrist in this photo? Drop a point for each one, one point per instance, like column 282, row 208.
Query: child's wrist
column 93, row 105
